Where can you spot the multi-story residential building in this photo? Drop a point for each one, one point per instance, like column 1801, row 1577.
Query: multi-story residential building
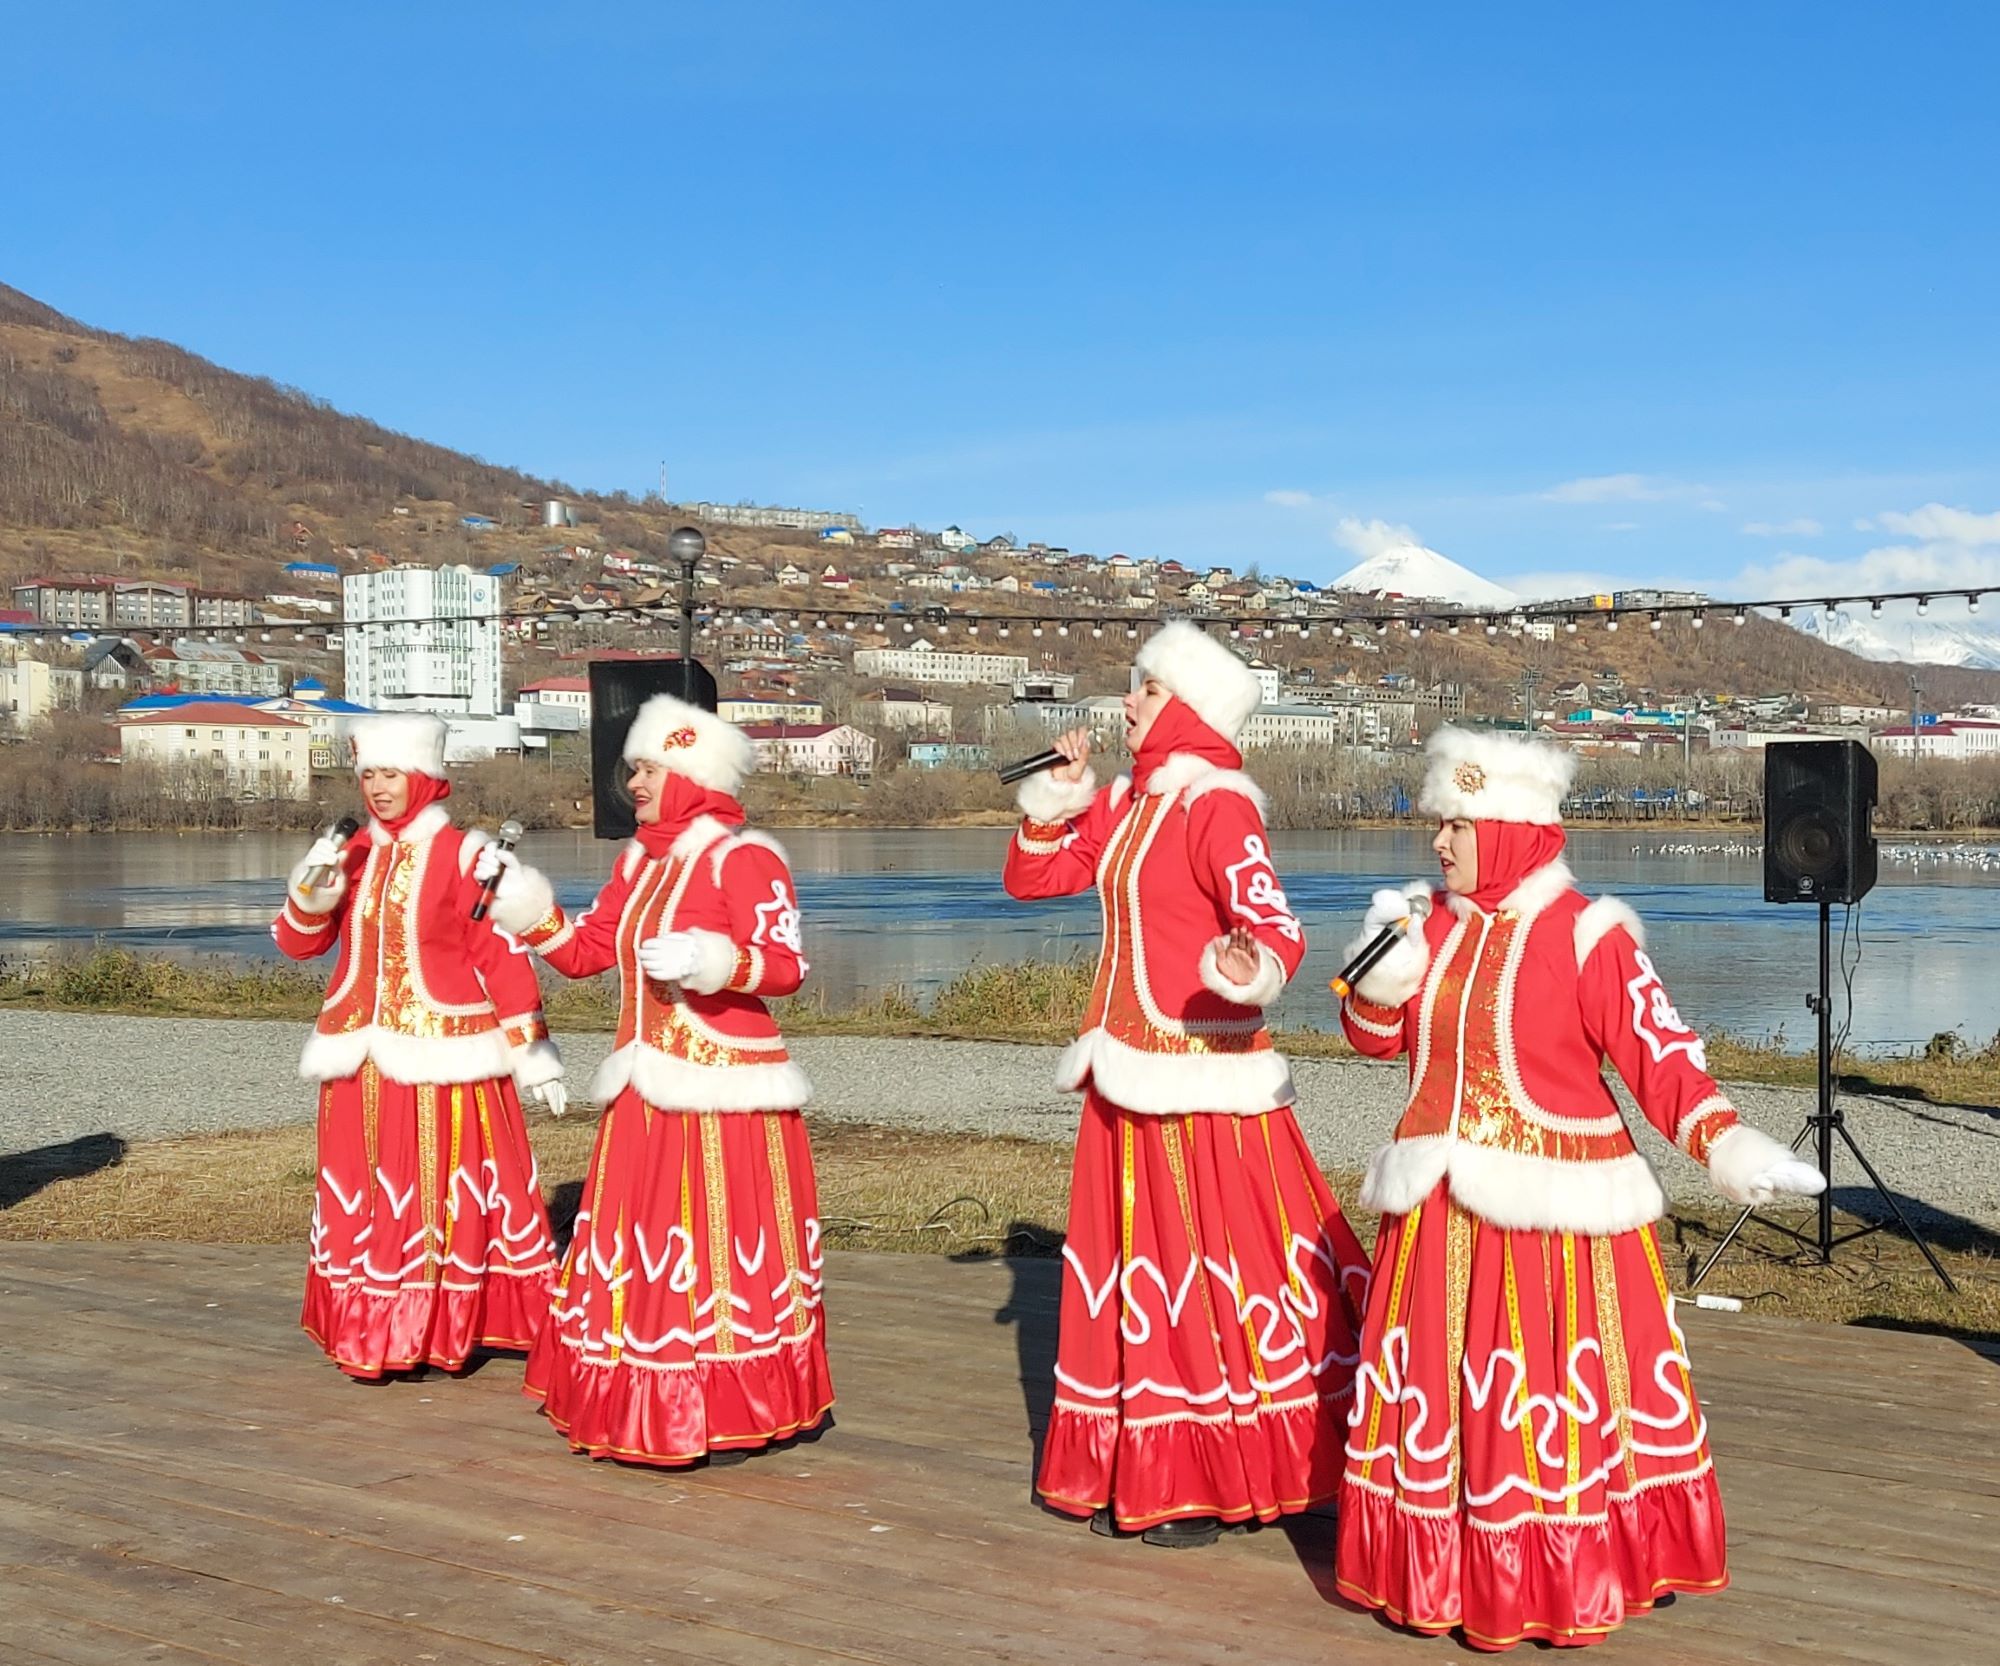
column 32, row 688
column 423, row 639
column 753, row 514
column 222, row 745
column 925, row 662
column 1347, row 723
column 1950, row 740
column 554, row 706
column 764, row 709
column 92, row 601
column 906, row 708
column 204, row 668
column 812, row 748
column 214, row 611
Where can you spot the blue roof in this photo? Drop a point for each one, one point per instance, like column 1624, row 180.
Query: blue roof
column 503, row 569
column 310, row 567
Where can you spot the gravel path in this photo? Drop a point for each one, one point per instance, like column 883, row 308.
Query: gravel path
column 72, row 1074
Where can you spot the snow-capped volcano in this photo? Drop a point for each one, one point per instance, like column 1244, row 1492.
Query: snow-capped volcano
column 1908, row 641
column 1423, row 575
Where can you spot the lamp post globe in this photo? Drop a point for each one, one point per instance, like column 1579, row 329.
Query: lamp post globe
column 686, row 545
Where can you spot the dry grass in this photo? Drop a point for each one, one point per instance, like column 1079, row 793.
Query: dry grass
column 899, row 1191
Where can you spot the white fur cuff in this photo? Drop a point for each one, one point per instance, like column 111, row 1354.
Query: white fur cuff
column 1739, row 1157
column 1264, row 987
column 1043, row 798
column 536, row 1063
column 1399, row 974
column 523, row 899
column 716, row 965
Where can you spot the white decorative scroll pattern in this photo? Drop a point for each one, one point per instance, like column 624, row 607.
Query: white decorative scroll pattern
column 778, row 919
column 1654, row 1018
column 1254, row 892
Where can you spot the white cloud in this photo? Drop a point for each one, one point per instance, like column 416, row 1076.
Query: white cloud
column 1627, row 488
column 1936, row 523
column 1892, row 567
column 1290, row 500
column 1800, row 528
column 1864, row 524
column 1368, row 539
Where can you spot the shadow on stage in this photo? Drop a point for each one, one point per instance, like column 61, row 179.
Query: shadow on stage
column 1034, row 1295
column 24, row 1173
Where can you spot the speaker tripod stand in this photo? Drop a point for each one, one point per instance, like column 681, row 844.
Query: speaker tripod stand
column 1826, row 1121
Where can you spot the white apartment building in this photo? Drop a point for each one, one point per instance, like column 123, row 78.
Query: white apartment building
column 1347, row 724
column 1950, row 740
column 203, row 668
column 925, row 662
column 905, row 708
column 423, row 639
column 31, row 689
column 555, row 705
column 224, row 746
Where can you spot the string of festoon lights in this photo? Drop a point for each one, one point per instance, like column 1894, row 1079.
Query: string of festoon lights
column 934, row 619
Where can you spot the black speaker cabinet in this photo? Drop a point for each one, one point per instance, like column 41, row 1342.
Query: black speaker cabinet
column 1819, row 812
column 618, row 688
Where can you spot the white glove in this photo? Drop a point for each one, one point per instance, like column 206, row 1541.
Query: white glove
column 669, row 958
column 322, row 898
column 490, row 860
column 552, row 1096
column 1750, row 1167
column 1399, row 974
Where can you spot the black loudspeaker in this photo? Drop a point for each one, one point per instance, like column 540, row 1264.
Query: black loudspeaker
column 618, row 688
column 1819, row 814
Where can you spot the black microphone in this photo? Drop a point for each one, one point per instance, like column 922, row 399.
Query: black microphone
column 1379, row 945
column 1010, row 773
column 510, row 836
column 340, row 832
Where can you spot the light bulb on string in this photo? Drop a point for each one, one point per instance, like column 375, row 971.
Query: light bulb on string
column 1832, row 611
column 1698, row 618
column 1971, row 601
column 1923, row 606
column 1875, row 608
column 1653, row 623
column 1452, row 628
column 1611, row 621
column 1569, row 624
column 1739, row 616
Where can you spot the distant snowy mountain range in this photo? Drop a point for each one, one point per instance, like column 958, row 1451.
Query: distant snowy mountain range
column 1907, row 641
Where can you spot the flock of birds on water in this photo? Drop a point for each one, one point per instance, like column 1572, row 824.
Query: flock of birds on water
column 1912, row 854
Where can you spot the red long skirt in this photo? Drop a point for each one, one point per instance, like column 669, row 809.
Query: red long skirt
column 687, row 1317
column 429, row 1238
column 1211, row 1303
column 1527, row 1458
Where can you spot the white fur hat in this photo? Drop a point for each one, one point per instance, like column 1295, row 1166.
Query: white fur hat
column 708, row 750
column 412, row 741
column 1222, row 690
column 1487, row 775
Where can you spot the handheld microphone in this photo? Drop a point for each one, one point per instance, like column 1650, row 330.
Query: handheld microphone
column 1010, row 773
column 1379, row 945
column 510, row 836
column 340, row 832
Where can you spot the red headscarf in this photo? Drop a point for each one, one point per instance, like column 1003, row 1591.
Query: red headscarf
column 425, row 790
column 680, row 801
column 1177, row 729
column 1508, row 852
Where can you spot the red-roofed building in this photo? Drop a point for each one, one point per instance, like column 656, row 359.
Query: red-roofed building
column 812, row 748
column 212, row 748
column 554, row 706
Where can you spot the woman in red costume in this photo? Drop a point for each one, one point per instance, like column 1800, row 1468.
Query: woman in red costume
column 1526, row 1457
column 1212, row 1290
column 429, row 1238
column 686, row 1322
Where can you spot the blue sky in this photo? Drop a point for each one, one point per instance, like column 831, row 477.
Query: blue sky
column 1672, row 293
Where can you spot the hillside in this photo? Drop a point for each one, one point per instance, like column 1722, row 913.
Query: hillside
column 136, row 456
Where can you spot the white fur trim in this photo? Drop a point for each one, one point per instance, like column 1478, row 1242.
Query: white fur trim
column 1540, row 888
column 411, row 1059
column 536, row 1063
column 695, row 838
column 1738, row 1156
column 1204, row 674
column 716, row 965
column 426, row 824
column 1599, row 920
column 1399, row 974
column 1514, row 1190
column 523, row 900
column 1041, row 797
column 671, row 1084
column 1487, row 775
column 1176, row 1084
column 409, row 741
column 716, row 755
column 1184, row 773
column 1264, row 987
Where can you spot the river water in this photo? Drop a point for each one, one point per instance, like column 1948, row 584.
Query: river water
column 914, row 908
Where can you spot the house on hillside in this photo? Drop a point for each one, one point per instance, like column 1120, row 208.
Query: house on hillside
column 905, row 709
column 812, row 748
column 479, row 523
column 832, row 578
column 792, row 576
column 896, row 538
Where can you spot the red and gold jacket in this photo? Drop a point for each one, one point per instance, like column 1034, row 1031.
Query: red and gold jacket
column 420, row 987
column 1175, row 867
column 708, row 1043
column 1506, row 1037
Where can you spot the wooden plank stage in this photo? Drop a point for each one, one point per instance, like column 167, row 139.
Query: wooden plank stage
column 183, row 1479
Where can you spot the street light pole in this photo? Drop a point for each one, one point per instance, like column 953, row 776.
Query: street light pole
column 687, row 546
